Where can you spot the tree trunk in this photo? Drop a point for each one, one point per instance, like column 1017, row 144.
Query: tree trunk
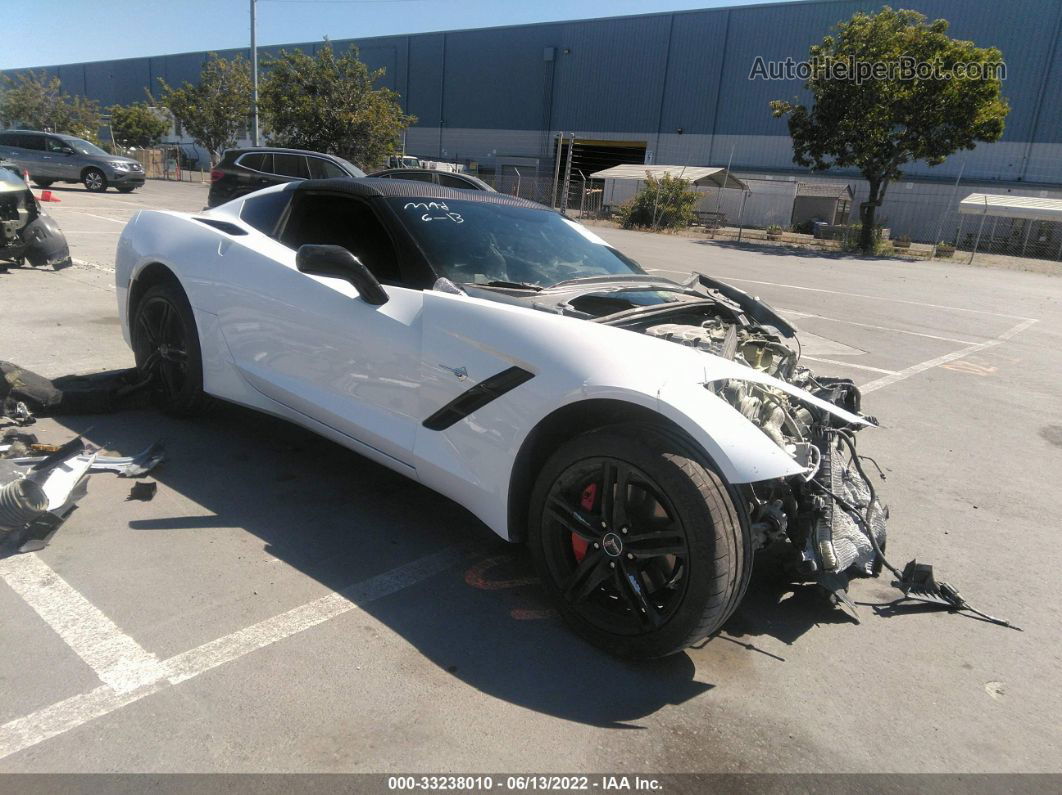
column 866, row 216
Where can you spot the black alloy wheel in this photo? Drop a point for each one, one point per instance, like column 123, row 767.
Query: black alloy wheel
column 638, row 541
column 166, row 348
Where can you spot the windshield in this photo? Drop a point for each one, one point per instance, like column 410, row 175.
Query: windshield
column 480, row 243
column 83, row 147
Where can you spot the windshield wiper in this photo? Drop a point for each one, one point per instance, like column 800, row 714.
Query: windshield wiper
column 510, row 285
column 616, row 277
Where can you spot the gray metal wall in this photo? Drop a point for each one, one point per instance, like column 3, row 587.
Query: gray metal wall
column 482, row 94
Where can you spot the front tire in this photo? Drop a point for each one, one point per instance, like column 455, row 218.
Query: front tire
column 94, row 180
column 126, row 188
column 638, row 541
column 166, row 348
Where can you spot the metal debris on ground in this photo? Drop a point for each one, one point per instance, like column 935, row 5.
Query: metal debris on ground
column 40, row 484
column 25, row 394
column 143, row 490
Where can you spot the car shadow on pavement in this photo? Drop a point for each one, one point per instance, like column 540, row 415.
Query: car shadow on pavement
column 341, row 519
column 776, row 606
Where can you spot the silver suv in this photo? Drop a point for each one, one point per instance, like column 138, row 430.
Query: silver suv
column 51, row 157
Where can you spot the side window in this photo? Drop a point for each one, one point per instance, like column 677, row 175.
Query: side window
column 450, row 181
column 263, row 212
column 290, row 166
column 253, row 161
column 8, row 139
column 346, row 222
column 54, row 144
column 324, row 169
column 31, row 141
column 416, row 176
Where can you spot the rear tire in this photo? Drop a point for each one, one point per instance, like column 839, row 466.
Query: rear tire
column 656, row 575
column 166, row 347
column 94, row 180
column 42, row 183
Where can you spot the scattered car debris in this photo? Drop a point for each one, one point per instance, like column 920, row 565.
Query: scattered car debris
column 40, row 484
column 37, row 493
column 143, row 490
column 133, row 466
column 95, row 393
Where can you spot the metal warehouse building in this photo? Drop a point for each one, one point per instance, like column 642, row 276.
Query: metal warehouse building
column 666, row 88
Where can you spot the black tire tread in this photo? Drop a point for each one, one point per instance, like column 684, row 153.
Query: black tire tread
column 194, row 401
column 733, row 552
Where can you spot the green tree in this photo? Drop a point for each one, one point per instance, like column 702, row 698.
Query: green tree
column 330, row 103
column 664, row 203
column 37, row 100
column 137, row 125
column 215, row 110
column 895, row 117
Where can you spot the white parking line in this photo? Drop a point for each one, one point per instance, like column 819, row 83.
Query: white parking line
column 105, row 218
column 877, row 298
column 921, row 367
column 29, row 730
column 798, row 313
column 866, row 367
column 118, row 660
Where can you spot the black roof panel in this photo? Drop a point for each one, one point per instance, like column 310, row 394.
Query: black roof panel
column 401, row 188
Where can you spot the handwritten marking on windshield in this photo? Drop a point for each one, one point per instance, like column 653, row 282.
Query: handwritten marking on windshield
column 434, row 211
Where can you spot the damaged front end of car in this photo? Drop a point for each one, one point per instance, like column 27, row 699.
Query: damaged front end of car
column 830, row 516
column 27, row 233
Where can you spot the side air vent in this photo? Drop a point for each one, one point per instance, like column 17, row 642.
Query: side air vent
column 223, row 226
column 476, row 398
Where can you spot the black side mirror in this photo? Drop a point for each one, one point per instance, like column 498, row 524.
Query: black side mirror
column 66, row 150
column 338, row 262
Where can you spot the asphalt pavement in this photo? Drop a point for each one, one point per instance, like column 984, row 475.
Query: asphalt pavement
column 285, row 605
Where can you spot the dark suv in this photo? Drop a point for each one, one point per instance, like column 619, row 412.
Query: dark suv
column 448, row 179
column 243, row 171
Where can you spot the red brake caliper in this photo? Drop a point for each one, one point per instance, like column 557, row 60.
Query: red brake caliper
column 586, row 502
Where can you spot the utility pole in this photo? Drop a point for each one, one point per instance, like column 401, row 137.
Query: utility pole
column 254, row 75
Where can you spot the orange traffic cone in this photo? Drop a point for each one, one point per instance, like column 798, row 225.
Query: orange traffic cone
column 46, row 196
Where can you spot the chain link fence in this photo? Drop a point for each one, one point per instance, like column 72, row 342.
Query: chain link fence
column 584, row 198
column 170, row 162
column 1014, row 237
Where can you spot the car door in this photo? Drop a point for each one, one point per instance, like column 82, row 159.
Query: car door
column 310, row 342
column 254, row 171
column 30, row 151
column 60, row 159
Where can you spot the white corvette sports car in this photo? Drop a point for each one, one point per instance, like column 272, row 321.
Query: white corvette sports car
column 642, row 436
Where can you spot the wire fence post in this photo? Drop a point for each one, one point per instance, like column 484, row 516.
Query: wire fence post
column 556, row 169
column 940, row 227
column 977, row 242
column 568, row 174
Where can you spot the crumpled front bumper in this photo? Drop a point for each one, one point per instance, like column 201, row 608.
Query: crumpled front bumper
column 43, row 243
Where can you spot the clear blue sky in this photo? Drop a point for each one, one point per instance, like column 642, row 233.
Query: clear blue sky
column 48, row 32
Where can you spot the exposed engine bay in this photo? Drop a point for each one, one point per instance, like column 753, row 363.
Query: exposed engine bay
column 26, row 232
column 831, row 517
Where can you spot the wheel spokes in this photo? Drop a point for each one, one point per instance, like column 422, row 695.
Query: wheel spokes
column 575, row 521
column 588, row 575
column 615, row 488
column 632, row 591
column 656, row 544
